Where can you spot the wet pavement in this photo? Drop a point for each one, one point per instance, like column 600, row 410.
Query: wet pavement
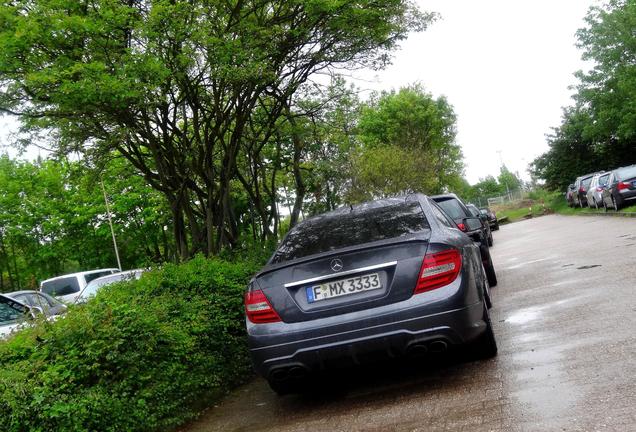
column 564, row 316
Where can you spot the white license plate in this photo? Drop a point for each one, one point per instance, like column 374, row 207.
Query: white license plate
column 343, row 287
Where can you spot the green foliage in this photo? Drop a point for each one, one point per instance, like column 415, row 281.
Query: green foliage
column 182, row 88
column 53, row 220
column 145, row 355
column 408, row 144
column 599, row 132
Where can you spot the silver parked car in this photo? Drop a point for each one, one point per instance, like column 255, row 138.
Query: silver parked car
column 39, row 301
column 95, row 285
column 595, row 191
column 15, row 315
column 67, row 287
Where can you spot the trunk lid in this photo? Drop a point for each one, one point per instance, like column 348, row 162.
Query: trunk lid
column 359, row 278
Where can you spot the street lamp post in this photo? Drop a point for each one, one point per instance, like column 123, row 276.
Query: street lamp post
column 110, row 222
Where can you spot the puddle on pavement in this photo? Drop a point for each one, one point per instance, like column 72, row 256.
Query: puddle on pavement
column 516, row 266
column 524, row 316
column 585, row 267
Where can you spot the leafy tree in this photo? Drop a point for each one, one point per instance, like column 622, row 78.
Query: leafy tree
column 599, row 132
column 408, row 144
column 53, row 220
column 172, row 85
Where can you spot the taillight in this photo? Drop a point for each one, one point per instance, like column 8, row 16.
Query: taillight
column 622, row 186
column 258, row 309
column 599, row 189
column 461, row 226
column 581, row 190
column 438, row 270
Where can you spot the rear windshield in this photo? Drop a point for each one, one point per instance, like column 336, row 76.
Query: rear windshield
column 473, row 211
column 62, row 286
column 586, row 181
column 452, row 208
column 92, row 276
column 324, row 234
column 602, row 180
column 627, row 173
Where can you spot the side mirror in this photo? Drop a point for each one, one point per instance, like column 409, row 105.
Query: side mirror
column 36, row 311
column 472, row 223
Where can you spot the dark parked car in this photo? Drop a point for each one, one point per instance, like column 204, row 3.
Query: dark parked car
column 472, row 208
column 380, row 279
column 569, row 195
column 621, row 188
column 492, row 218
column 457, row 211
column 581, row 185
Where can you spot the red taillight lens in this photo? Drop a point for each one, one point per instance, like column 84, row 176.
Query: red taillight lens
column 461, row 226
column 258, row 309
column 622, row 186
column 438, row 270
column 599, row 189
column 581, row 190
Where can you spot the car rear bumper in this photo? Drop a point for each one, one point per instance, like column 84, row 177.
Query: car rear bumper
column 398, row 335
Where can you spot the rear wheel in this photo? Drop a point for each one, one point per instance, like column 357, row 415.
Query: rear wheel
column 595, row 203
column 614, row 203
column 487, row 298
column 496, row 227
column 485, row 346
column 604, row 205
column 490, row 240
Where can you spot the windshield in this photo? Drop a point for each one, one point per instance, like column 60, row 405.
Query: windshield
column 586, row 182
column 452, row 208
column 10, row 313
column 334, row 232
column 61, row 286
column 626, row 173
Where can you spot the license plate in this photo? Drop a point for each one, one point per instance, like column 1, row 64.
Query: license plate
column 343, row 287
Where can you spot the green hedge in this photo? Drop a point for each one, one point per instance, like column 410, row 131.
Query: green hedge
column 146, row 355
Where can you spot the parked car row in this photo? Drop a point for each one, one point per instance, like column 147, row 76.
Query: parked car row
column 19, row 308
column 613, row 189
column 394, row 277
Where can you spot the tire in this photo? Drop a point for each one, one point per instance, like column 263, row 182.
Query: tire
column 496, row 227
column 595, row 203
column 614, row 204
column 604, row 206
column 490, row 268
column 490, row 240
column 487, row 297
column 485, row 346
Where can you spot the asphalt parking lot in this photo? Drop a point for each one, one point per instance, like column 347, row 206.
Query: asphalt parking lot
column 565, row 319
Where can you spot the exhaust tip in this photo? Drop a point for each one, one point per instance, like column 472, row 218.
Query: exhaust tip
column 417, row 349
column 438, row 346
column 297, row 372
column 279, row 374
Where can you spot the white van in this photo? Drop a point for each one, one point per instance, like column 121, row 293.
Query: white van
column 68, row 287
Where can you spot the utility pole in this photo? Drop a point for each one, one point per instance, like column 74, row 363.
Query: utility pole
column 110, row 222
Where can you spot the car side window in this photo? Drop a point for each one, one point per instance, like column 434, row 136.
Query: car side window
column 440, row 216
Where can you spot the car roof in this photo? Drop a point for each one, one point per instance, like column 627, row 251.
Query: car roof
column 119, row 275
column 444, row 196
column 6, row 297
column 15, row 293
column 82, row 273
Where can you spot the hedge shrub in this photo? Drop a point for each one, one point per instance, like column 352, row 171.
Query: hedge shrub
column 145, row 355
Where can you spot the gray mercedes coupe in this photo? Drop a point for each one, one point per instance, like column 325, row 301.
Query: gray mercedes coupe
column 390, row 277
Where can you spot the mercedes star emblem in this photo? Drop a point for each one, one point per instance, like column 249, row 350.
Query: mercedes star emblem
column 336, row 265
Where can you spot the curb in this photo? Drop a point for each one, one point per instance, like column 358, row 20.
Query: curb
column 608, row 214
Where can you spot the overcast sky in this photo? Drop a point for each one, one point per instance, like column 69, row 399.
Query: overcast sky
column 505, row 65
